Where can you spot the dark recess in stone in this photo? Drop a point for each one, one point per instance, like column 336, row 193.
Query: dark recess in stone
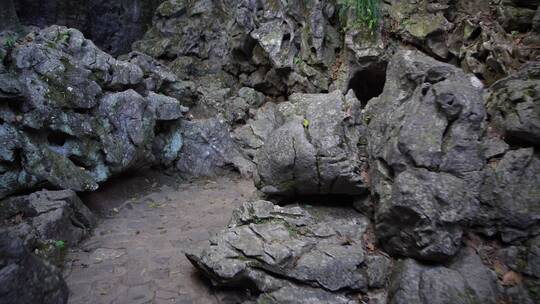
column 368, row 82
column 112, row 25
column 57, row 138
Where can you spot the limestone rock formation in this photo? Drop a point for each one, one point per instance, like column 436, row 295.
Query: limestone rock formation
column 465, row 280
column 259, row 49
column 514, row 105
column 275, row 250
column 112, row 25
column 72, row 115
column 43, row 218
column 26, row 279
column 316, row 149
column 424, row 141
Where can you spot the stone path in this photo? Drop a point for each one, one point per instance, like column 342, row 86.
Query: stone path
column 136, row 254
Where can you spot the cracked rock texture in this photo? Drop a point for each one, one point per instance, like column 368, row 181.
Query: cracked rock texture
column 42, row 218
column 315, row 149
column 514, row 105
column 424, row 141
column 25, row 278
column 112, row 25
column 279, row 249
column 72, row 115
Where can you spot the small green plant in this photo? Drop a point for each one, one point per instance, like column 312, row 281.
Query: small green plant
column 62, row 37
column 59, row 244
column 10, row 42
column 367, row 12
column 305, row 123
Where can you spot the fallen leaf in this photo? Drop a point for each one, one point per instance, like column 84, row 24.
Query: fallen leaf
column 511, row 278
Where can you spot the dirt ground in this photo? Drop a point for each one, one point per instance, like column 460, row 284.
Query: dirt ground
column 148, row 220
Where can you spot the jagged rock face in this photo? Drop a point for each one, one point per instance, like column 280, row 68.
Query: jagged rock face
column 208, row 149
column 275, row 250
column 424, row 141
column 44, row 217
column 476, row 34
column 466, row 280
column 264, row 45
column 72, row 116
column 510, row 190
column 315, row 149
column 513, row 104
column 111, row 25
column 429, row 149
column 26, row 279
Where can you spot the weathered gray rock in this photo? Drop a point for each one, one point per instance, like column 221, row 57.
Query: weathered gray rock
column 208, row 148
column 24, row 278
column 515, row 18
column 514, row 105
column 253, row 134
column 426, row 158
column 302, row 295
column 275, row 249
column 536, row 20
column 262, row 45
column 43, row 218
column 315, row 151
column 112, row 25
column 510, row 190
column 465, row 280
column 73, row 115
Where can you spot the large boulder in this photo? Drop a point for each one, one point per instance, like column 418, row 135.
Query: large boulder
column 208, row 149
column 47, row 221
column 513, row 104
column 24, row 278
column 321, row 252
column 466, row 280
column 72, row 115
column 316, row 149
column 510, row 193
column 426, row 157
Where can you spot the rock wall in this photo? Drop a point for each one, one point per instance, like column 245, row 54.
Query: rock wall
column 429, row 121
column 112, row 25
column 72, row 116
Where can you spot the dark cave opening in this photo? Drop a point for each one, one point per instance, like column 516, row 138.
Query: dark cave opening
column 368, row 82
column 57, row 138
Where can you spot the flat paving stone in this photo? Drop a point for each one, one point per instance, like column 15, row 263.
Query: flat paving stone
column 136, row 254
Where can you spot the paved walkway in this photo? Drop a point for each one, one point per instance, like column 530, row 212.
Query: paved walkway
column 136, row 254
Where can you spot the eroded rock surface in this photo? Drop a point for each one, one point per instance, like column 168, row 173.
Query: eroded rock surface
column 48, row 222
column 26, row 279
column 465, row 280
column 112, row 25
column 72, row 115
column 425, row 151
column 316, row 148
column 275, row 249
column 514, row 105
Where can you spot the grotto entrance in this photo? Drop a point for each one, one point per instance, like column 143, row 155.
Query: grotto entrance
column 368, row 82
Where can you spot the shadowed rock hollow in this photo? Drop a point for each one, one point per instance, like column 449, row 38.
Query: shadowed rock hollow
column 112, row 25
column 270, row 152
